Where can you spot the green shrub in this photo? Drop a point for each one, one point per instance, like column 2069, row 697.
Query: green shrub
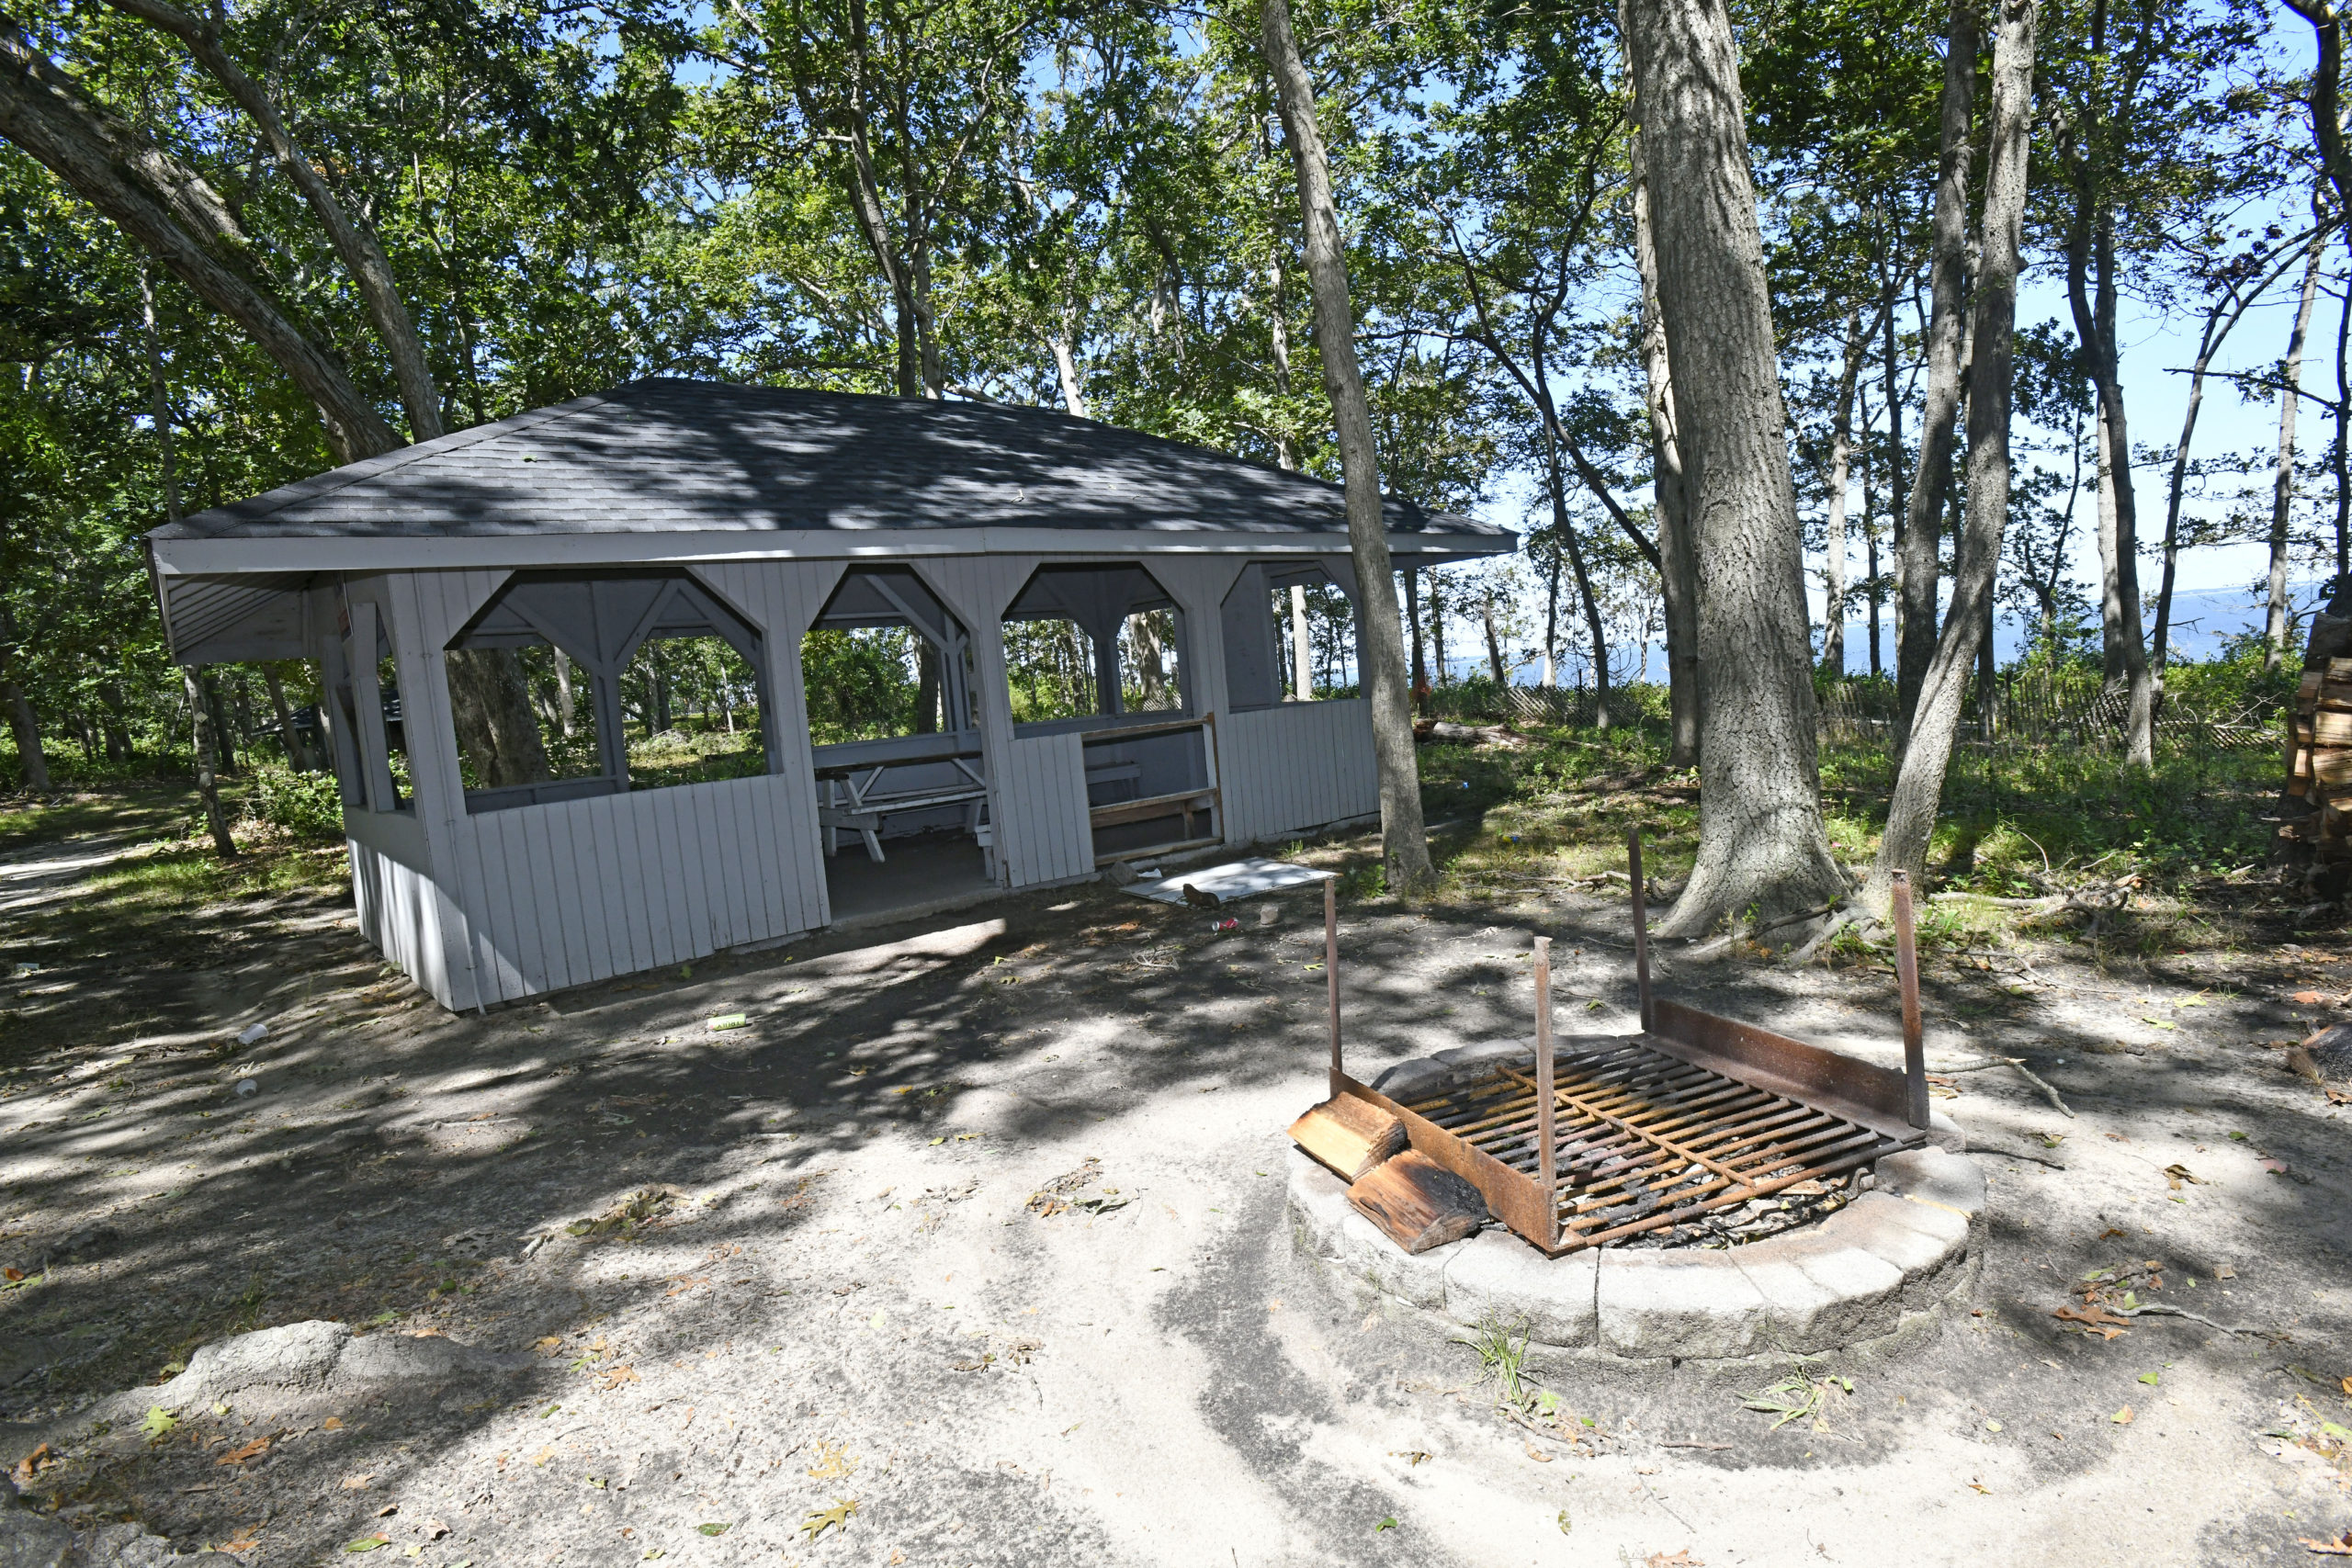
column 304, row 806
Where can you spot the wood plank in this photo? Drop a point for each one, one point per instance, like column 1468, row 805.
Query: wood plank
column 1350, row 1135
column 1418, row 1203
column 1512, row 1197
column 2331, row 729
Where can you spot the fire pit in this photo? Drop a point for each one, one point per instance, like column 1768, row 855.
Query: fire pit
column 1704, row 1188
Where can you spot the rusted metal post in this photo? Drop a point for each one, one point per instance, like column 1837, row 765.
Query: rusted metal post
column 1906, row 974
column 1641, row 925
column 1546, row 1156
column 1331, row 968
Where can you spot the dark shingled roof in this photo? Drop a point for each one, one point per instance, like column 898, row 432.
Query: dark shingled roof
column 660, row 455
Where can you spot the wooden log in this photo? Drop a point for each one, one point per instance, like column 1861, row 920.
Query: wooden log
column 2331, row 729
column 2331, row 769
column 1350, row 1135
column 1418, row 1203
column 2307, row 688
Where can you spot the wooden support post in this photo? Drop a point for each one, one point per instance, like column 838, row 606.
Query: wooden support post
column 1547, row 1156
column 1641, row 925
column 1331, row 968
column 1906, row 974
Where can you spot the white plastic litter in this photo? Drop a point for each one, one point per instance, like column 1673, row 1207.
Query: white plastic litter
column 1236, row 879
column 247, row 1088
column 251, row 1033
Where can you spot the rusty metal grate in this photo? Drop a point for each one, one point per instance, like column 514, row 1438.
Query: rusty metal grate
column 1621, row 1135
column 1642, row 1140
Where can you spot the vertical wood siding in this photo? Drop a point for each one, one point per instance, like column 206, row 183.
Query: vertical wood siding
column 1295, row 766
column 1042, row 806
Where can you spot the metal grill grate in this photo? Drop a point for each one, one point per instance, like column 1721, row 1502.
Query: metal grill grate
column 1644, row 1140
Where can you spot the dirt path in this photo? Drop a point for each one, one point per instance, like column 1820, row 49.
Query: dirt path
column 813, row 1274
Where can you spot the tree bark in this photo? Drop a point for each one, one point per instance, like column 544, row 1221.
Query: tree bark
column 1678, row 571
column 2282, row 487
column 2091, row 248
column 159, row 399
column 177, row 217
column 298, row 756
column 30, row 756
column 1918, row 784
column 1594, row 628
column 358, row 249
column 1404, row 843
column 1763, row 849
column 208, row 782
column 1413, row 614
column 489, row 704
column 1841, row 457
column 1948, row 268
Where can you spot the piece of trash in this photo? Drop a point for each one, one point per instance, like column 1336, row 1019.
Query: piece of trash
column 1227, row 924
column 2275, row 1166
column 2341, row 1547
column 247, row 1088
column 730, row 1021
column 252, row 1032
column 25, row 969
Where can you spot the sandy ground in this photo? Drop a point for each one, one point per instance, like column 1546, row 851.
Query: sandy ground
column 836, row 1288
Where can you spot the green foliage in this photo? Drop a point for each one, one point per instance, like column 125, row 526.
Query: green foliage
column 304, row 806
column 861, row 684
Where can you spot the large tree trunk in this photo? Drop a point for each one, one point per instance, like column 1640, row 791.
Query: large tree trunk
column 1841, row 458
column 1404, row 841
column 358, row 250
column 180, row 219
column 1948, row 266
column 2282, row 487
column 30, row 757
column 1918, row 785
column 1678, row 569
column 489, row 702
column 1762, row 847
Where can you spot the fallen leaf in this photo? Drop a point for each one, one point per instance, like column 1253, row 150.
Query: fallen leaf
column 715, row 1528
column 12, row 1275
column 331, row 1424
column 387, row 1511
column 238, row 1456
column 243, row 1542
column 368, row 1544
column 2340, row 1548
column 615, row 1376
column 159, row 1423
column 1681, row 1559
column 2308, row 999
column 1538, row 1455
column 549, row 1346
column 2225, row 1271
column 2122, row 1417
column 834, row 1462
column 2095, row 1319
column 2275, row 1166
column 357, row 1483
column 2151, row 1379
column 544, row 1455
column 2176, row 1174
column 835, row 1517
column 1387, row 1524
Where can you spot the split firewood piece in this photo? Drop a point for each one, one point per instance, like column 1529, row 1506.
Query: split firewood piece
column 1418, row 1202
column 1350, row 1136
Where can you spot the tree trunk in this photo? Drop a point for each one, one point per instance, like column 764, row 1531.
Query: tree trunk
column 1302, row 652
column 1841, row 457
column 298, row 756
column 1494, row 644
column 2208, row 341
column 1594, row 629
column 172, row 211
column 1677, row 571
column 1552, row 619
column 30, row 757
column 2092, row 245
column 1413, row 612
column 1065, row 368
column 158, row 398
column 1918, row 785
column 1947, row 268
column 1870, row 554
column 2282, row 487
column 207, row 783
column 1763, row 849
column 1405, row 844
column 358, row 249
column 489, row 705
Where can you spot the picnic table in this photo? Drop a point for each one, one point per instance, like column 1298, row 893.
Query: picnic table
column 855, row 797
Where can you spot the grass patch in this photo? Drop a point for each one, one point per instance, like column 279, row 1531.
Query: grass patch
column 185, row 875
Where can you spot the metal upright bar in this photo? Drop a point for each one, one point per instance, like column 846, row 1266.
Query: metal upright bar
column 1906, row 974
column 1546, row 1150
column 1331, row 968
column 1641, row 925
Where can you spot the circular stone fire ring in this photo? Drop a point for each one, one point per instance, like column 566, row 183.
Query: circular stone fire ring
column 1867, row 1272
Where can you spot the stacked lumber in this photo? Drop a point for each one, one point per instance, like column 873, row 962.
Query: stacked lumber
column 1416, row 1203
column 2319, row 747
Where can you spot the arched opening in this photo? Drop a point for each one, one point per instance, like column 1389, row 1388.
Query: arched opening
column 572, row 685
column 887, row 674
column 1290, row 635
column 1103, row 651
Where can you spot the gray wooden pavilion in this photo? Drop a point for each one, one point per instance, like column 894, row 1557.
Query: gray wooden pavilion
column 671, row 508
